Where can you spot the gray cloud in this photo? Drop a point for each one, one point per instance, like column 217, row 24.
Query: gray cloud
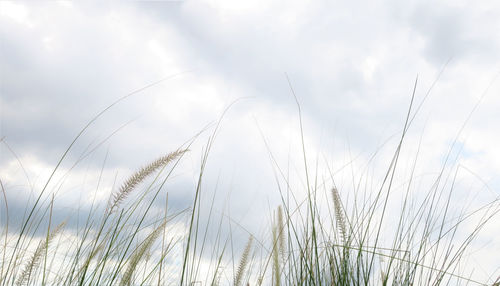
column 455, row 31
column 352, row 66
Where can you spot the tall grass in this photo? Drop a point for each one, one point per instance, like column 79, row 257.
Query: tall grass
column 311, row 241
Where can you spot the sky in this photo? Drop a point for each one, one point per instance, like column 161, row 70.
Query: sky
column 351, row 66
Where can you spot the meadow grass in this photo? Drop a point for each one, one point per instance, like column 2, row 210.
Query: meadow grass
column 128, row 242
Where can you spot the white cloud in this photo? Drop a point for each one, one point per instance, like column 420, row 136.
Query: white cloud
column 16, row 12
column 352, row 66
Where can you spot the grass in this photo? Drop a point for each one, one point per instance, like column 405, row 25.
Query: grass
column 311, row 240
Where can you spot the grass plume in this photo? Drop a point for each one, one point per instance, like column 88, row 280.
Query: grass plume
column 35, row 259
column 131, row 183
column 243, row 262
column 350, row 245
column 139, row 253
column 339, row 214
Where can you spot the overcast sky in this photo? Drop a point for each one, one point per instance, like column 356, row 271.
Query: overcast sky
column 352, row 65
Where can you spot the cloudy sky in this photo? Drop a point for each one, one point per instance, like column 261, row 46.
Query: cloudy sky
column 351, row 64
